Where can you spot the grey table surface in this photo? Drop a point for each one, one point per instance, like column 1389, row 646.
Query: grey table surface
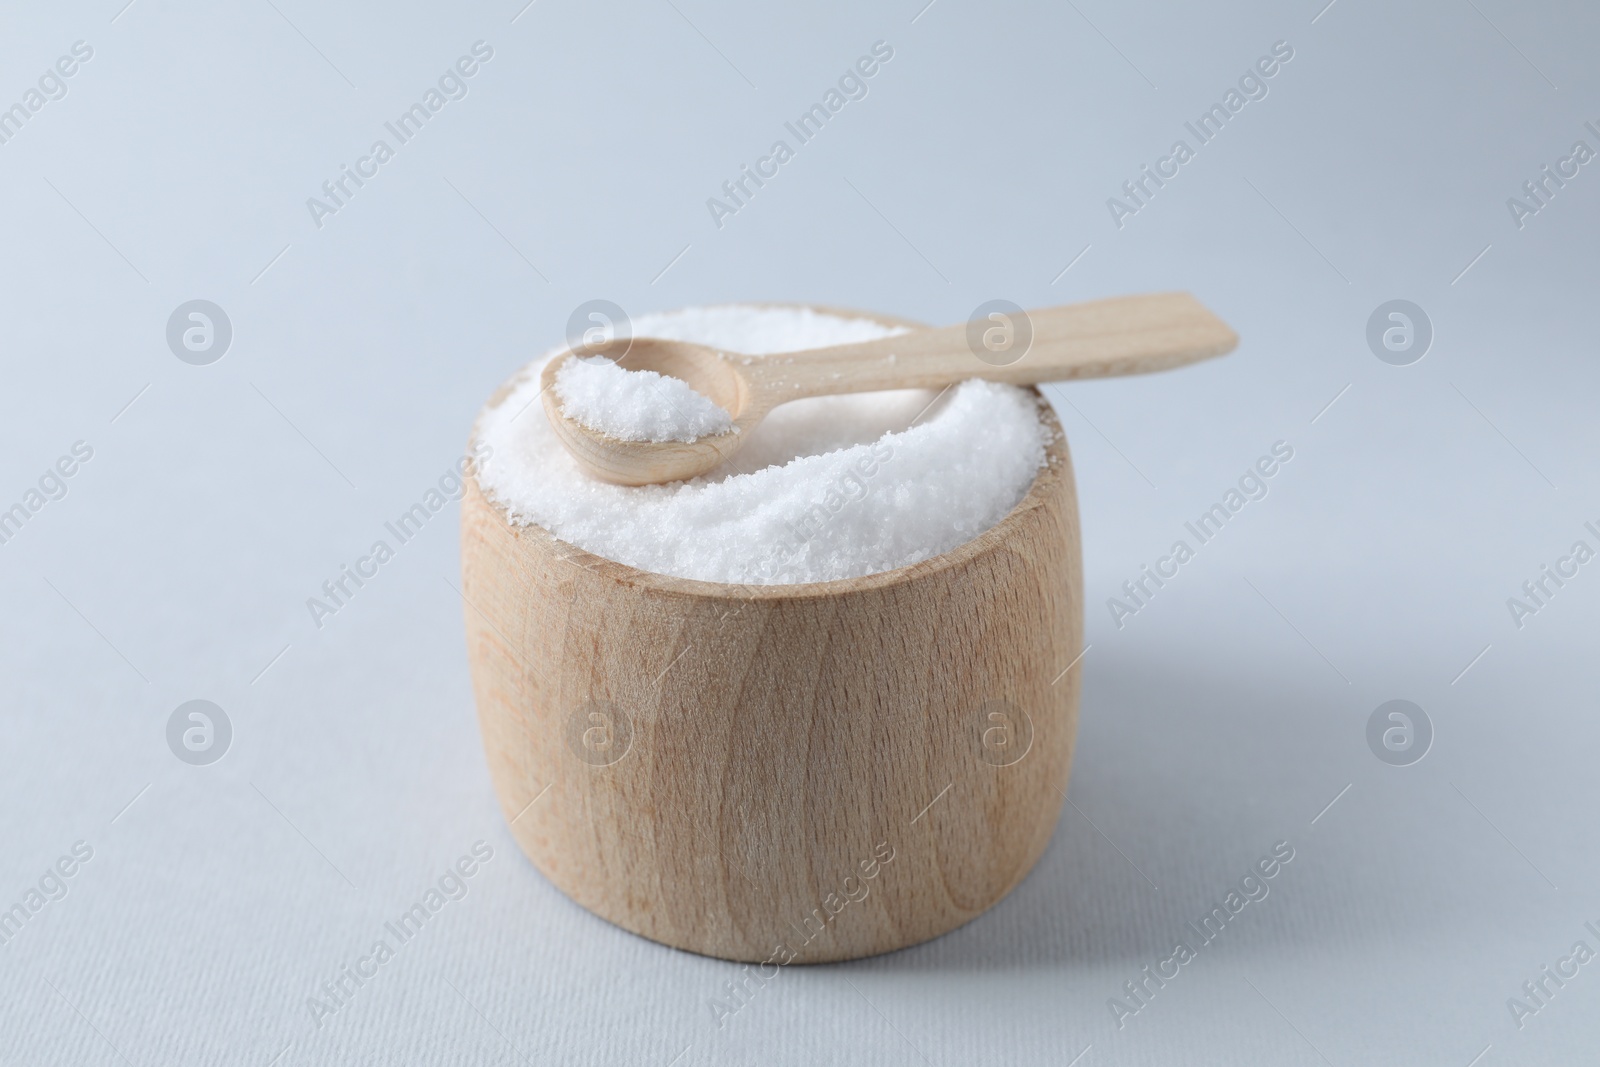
column 1379, row 162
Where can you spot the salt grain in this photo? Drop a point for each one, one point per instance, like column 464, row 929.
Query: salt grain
column 824, row 488
column 636, row 405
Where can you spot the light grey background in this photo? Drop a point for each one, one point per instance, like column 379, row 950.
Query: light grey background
column 1224, row 717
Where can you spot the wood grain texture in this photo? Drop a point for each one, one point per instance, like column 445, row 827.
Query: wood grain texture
column 719, row 767
column 1120, row 335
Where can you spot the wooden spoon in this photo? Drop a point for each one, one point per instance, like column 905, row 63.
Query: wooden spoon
column 1099, row 339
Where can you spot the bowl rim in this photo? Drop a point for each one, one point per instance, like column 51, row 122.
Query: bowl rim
column 1056, row 467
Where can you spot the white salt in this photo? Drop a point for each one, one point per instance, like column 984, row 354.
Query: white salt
column 824, row 488
column 636, row 405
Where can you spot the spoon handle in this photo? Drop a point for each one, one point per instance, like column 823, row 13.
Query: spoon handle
column 1097, row 339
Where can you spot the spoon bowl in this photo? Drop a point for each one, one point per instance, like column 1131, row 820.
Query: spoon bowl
column 705, row 370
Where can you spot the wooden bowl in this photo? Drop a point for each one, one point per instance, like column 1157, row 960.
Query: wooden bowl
column 781, row 773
